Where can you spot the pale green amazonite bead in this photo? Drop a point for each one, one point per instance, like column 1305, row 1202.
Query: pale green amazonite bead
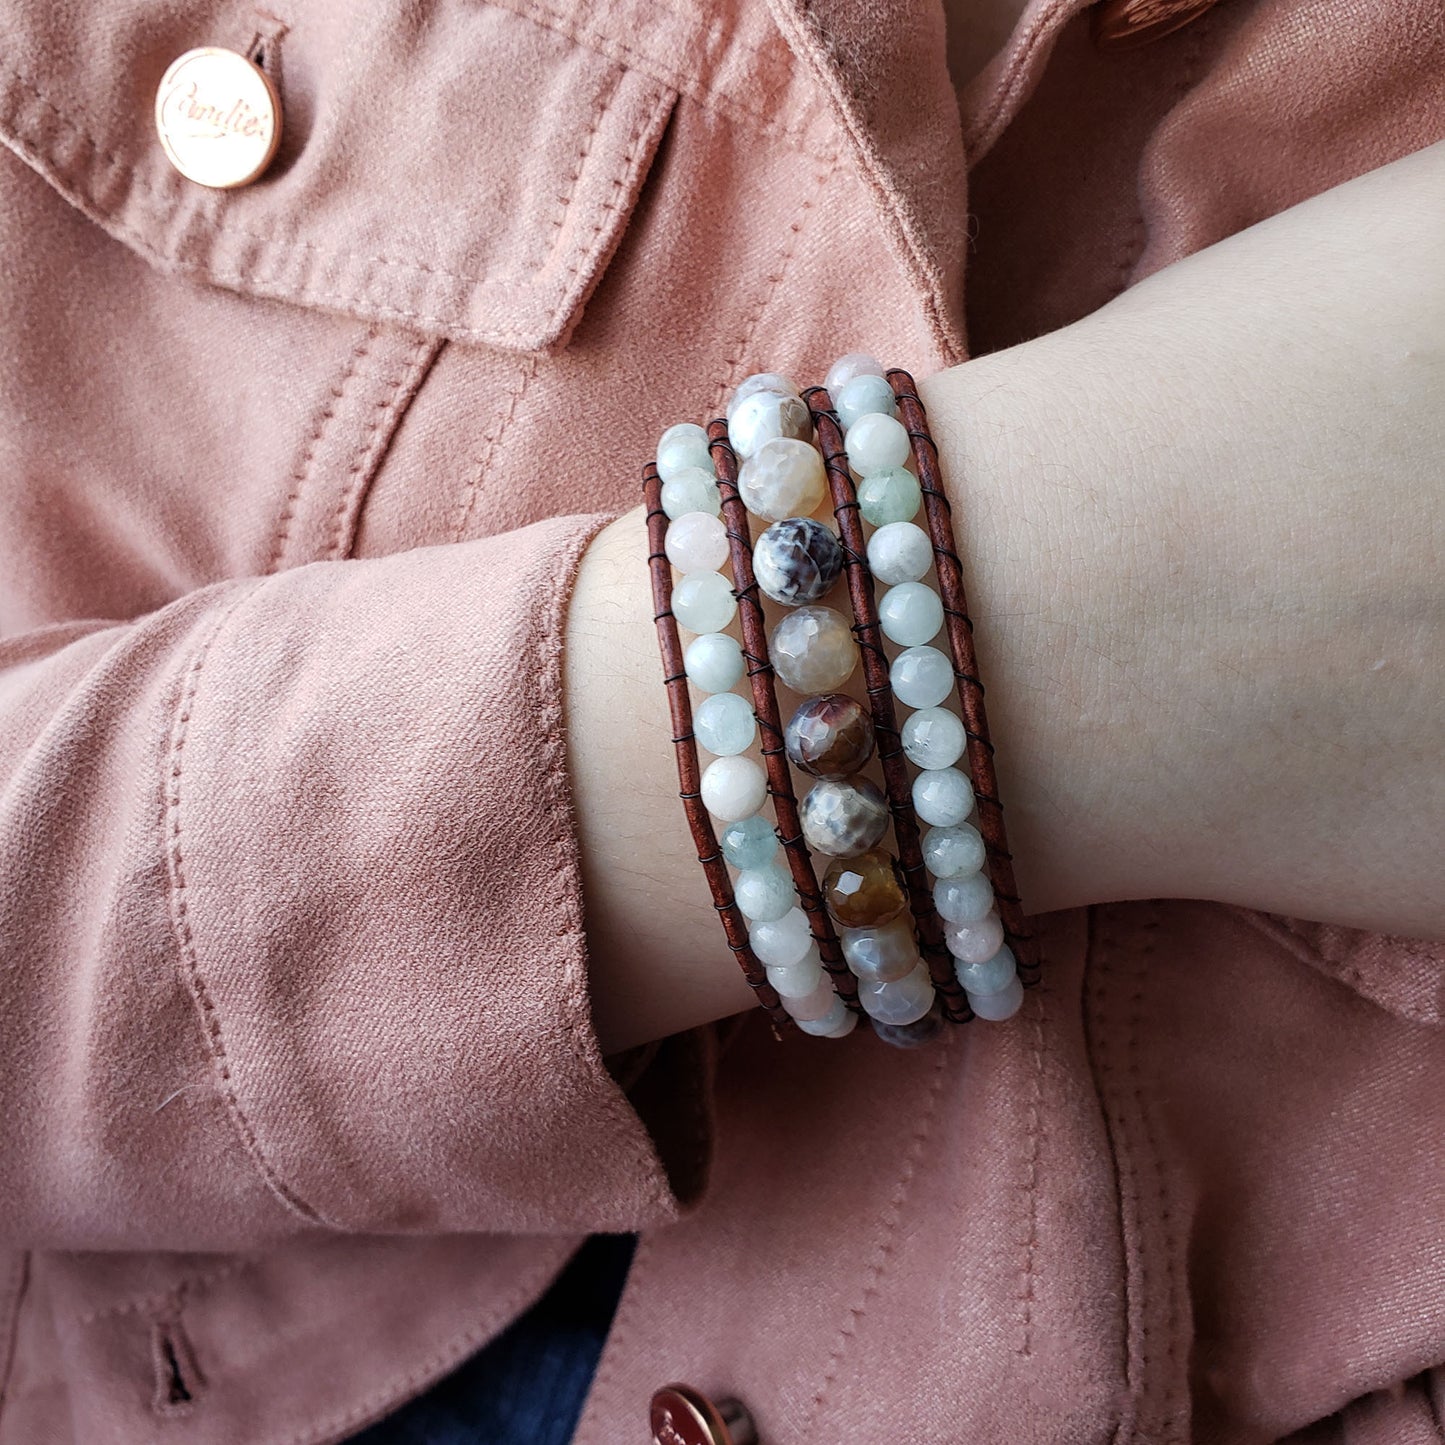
column 964, row 899
column 837, row 1023
column 876, row 443
column 680, row 447
column 952, row 852
column 734, row 788
column 799, row 979
column 893, row 495
column 724, row 724
column 696, row 542
column 714, row 662
column 862, row 396
column 996, row 1007
column 764, row 894
column 910, row 614
column 921, row 676
column 933, row 737
column 783, row 942
column 900, row 552
column 942, row 796
column 691, row 490
column 704, row 602
column 749, row 843
column 993, row 974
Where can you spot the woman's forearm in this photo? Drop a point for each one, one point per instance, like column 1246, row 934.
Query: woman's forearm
column 1201, row 539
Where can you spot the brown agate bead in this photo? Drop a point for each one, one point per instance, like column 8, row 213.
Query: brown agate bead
column 865, row 892
column 830, row 736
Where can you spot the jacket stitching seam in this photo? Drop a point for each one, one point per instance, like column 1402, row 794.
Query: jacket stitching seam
column 885, row 1250
column 1033, row 1150
column 522, row 378
column 159, row 1299
column 181, row 922
column 300, row 478
column 384, row 413
column 16, row 1290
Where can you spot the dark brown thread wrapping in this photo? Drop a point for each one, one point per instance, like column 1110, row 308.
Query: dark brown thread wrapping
column 959, row 627
column 689, row 773
column 880, row 702
column 765, row 708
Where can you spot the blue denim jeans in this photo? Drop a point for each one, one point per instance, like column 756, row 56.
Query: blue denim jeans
column 526, row 1387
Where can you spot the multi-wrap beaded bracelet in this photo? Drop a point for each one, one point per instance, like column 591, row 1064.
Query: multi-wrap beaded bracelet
column 931, row 930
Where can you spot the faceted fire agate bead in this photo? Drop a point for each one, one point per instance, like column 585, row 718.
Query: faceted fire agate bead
column 875, row 443
column 765, row 416
column 714, row 662
column 797, row 560
column 749, row 843
column 915, row 1035
column 910, row 614
column 974, row 942
column 890, row 496
column 991, row 975
column 704, row 602
column 680, row 447
column 844, row 818
column 724, row 724
column 697, row 542
column 733, row 788
column 829, row 736
column 900, row 1001
column 900, row 552
column 933, row 737
column 783, row 478
column 942, row 797
column 784, row 942
column 862, row 395
column 954, row 851
column 813, row 650
column 921, row 676
column 965, row 899
column 864, row 892
column 880, row 954
column 842, row 371
column 691, row 490
column 773, row 381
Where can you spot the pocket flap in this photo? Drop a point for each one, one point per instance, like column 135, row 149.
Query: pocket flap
column 452, row 166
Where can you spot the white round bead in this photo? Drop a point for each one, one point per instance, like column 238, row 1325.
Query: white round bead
column 765, row 416
column 704, row 602
column 783, row 942
column 899, row 1001
column 714, row 662
column 953, row 851
column 921, row 676
column 942, row 796
column 863, row 396
column 813, row 650
column 933, row 737
column 991, row 975
column 697, row 542
column 882, row 954
column 691, row 490
column 734, row 788
column 773, row 381
column 783, row 478
column 910, row 614
column 964, row 899
column 837, row 1023
column 842, row 371
column 974, row 942
column 724, row 724
column 996, row 1007
column 797, row 980
column 875, row 442
column 900, row 552
column 764, row 894
column 680, row 447
column 815, row 1005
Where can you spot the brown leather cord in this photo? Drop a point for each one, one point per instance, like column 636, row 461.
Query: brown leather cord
column 765, row 709
column 959, row 627
column 880, row 702
column 689, row 773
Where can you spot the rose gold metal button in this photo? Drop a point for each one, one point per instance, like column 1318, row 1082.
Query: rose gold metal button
column 1120, row 24
column 684, row 1416
column 218, row 117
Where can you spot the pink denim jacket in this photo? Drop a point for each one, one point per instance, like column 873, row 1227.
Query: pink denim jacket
column 301, row 1097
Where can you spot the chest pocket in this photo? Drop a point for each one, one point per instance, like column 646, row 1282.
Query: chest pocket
column 452, row 167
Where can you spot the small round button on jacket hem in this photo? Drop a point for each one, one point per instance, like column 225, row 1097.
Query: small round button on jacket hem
column 681, row 1415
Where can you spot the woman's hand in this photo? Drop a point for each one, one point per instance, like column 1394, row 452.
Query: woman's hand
column 1201, row 533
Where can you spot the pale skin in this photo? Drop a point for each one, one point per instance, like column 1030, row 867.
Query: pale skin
column 1202, row 539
